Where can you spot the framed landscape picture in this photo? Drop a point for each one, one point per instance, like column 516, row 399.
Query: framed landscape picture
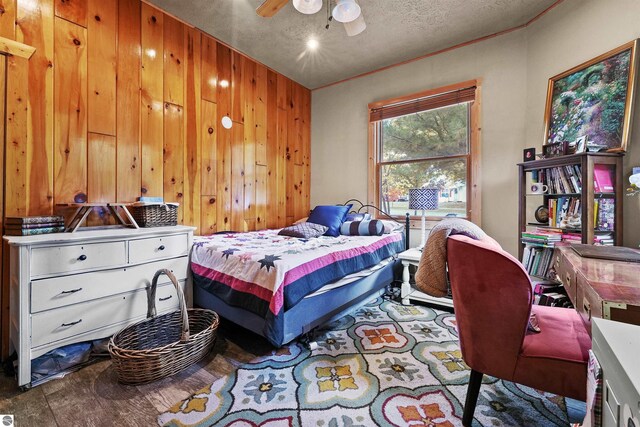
column 594, row 100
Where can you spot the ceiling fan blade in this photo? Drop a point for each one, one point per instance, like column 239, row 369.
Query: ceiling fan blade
column 270, row 7
column 356, row 26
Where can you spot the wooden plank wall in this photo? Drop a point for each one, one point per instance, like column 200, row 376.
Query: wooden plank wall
column 121, row 100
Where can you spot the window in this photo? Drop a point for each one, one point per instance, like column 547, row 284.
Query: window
column 426, row 140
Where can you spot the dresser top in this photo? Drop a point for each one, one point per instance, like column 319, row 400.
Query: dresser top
column 97, row 235
column 619, row 273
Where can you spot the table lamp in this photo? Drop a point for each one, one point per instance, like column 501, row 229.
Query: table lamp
column 425, row 199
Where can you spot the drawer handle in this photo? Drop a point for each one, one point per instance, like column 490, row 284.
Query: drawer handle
column 82, row 257
column 165, row 298
column 161, row 248
column 72, row 291
column 72, row 323
column 568, row 284
column 587, row 307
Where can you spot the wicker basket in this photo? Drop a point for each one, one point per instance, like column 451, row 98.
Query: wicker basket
column 155, row 215
column 160, row 346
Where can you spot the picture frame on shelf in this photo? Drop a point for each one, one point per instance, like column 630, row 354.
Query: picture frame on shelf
column 594, row 99
column 581, row 144
column 556, row 149
column 529, row 154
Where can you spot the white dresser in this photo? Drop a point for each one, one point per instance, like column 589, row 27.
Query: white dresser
column 616, row 345
column 72, row 287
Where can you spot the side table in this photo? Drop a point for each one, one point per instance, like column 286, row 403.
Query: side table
column 407, row 292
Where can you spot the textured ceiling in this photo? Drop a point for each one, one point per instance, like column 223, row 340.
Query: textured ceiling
column 397, row 30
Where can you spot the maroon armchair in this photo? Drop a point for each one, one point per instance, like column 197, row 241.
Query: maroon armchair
column 492, row 296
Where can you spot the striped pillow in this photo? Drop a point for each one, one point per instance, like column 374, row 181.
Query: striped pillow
column 373, row 227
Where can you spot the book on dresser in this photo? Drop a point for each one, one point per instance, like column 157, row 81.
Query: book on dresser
column 32, row 225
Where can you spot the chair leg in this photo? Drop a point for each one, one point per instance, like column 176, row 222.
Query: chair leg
column 475, row 380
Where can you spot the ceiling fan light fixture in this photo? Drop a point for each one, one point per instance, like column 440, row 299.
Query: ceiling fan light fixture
column 313, row 44
column 308, row 7
column 346, row 11
column 356, row 26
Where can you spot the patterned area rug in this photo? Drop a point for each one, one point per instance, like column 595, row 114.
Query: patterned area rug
column 387, row 365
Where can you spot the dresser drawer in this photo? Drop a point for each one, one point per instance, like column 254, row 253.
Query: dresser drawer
column 158, row 247
column 566, row 275
column 71, row 258
column 54, row 325
column 57, row 292
column 588, row 304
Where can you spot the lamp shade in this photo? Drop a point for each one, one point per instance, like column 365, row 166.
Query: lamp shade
column 356, row 26
column 308, row 7
column 346, row 11
column 423, row 198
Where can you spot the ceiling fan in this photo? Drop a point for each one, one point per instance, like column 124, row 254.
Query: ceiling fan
column 345, row 11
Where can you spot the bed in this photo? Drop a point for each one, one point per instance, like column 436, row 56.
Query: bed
column 282, row 287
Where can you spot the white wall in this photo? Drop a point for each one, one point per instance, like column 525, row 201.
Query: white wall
column 339, row 133
column 572, row 33
column 514, row 69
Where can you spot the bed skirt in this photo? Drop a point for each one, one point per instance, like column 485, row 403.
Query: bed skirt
column 309, row 312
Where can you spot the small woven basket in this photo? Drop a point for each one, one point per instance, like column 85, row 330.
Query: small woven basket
column 160, row 346
column 155, row 215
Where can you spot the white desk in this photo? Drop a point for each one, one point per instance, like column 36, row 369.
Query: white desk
column 616, row 345
column 408, row 292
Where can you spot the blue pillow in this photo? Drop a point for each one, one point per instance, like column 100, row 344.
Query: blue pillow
column 330, row 216
column 362, row 228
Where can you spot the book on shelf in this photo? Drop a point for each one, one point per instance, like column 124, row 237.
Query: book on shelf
column 535, row 176
column 560, row 179
column 603, row 178
column 537, row 260
column 578, row 175
column 542, row 236
column 572, row 237
column 564, row 212
column 606, row 213
column 603, row 239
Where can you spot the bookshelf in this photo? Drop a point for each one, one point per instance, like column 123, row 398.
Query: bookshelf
column 584, row 204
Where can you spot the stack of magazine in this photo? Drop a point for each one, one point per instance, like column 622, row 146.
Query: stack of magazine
column 31, row 225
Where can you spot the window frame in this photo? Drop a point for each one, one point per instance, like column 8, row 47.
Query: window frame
column 474, row 203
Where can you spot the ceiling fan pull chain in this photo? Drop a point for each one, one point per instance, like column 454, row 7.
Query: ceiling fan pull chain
column 329, row 17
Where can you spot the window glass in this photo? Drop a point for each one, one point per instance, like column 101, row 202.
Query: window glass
column 427, row 149
column 433, row 133
column 449, row 176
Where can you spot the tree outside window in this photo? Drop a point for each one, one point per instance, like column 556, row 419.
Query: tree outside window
column 425, row 149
